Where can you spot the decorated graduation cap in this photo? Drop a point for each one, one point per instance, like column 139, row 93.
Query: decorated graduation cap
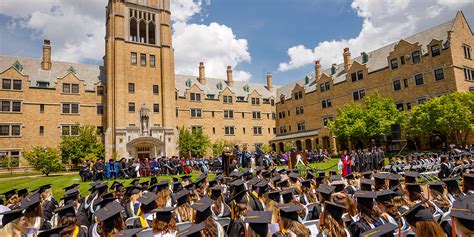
column 164, row 214
column 334, row 209
column 12, row 215
column 110, row 210
column 290, row 211
column 366, row 184
column 31, row 201
column 410, row 176
column 258, row 221
column 203, row 209
column 385, row 230
column 9, row 194
column 67, row 210
column 417, row 213
column 129, row 232
column 193, row 231
column 56, row 232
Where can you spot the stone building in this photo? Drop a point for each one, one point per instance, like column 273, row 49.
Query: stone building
column 138, row 104
column 412, row 70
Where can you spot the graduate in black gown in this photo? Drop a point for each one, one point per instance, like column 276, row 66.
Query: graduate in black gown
column 70, row 222
column 148, row 203
column 239, row 206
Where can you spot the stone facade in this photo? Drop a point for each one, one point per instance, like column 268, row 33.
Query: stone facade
column 138, row 103
column 412, row 70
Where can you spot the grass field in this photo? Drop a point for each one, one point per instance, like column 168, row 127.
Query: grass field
column 60, row 181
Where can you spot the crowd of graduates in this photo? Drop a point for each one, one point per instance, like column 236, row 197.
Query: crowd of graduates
column 264, row 201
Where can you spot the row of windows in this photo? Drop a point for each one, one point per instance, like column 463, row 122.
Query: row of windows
column 143, row 59
column 10, row 130
column 415, row 58
column 131, row 107
column 468, row 74
column 70, row 88
column 231, row 130
column 419, row 80
column 357, row 76
column 326, row 103
column 298, row 95
column 467, row 51
column 325, row 86
column 11, row 106
column 299, row 110
column 228, row 114
column 131, row 88
column 9, row 84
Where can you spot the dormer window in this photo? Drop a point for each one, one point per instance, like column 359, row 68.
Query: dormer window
column 246, row 88
column 17, row 65
column 416, row 57
column 394, row 63
column 435, row 50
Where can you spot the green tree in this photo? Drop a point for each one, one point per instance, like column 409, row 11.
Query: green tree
column 371, row 119
column 194, row 143
column 44, row 159
column 450, row 116
column 86, row 146
column 287, row 146
column 219, row 145
column 266, row 148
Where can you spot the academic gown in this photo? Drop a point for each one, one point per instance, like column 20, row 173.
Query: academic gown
column 314, row 213
column 359, row 227
column 255, row 203
column 236, row 228
column 48, row 209
column 82, row 216
column 138, row 224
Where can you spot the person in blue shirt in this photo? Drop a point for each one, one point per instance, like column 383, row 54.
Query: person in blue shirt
column 111, row 169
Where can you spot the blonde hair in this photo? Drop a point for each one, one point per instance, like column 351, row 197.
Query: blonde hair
column 12, row 229
column 163, row 197
column 428, row 228
column 185, row 212
column 299, row 229
column 332, row 227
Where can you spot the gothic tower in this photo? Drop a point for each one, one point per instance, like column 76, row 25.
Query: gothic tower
column 139, row 63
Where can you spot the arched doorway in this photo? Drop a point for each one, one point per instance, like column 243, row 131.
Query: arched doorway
column 281, row 147
column 299, row 145
column 308, row 144
column 145, row 147
column 273, row 147
column 326, row 143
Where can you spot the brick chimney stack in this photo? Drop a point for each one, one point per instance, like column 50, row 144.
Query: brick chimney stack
column 317, row 69
column 230, row 79
column 347, row 59
column 202, row 73
column 269, row 81
column 46, row 63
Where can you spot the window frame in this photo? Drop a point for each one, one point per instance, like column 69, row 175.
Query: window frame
column 418, row 56
column 394, row 64
column 257, row 130
column 157, row 91
column 422, row 78
column 195, row 96
column 133, row 58
column 197, row 112
column 229, row 130
column 152, row 60
column 131, row 107
column 228, row 114
column 142, row 59
column 359, row 93
column 156, row 108
column 69, row 106
column 467, row 51
column 394, row 86
column 256, row 115
column 433, row 54
column 435, row 75
column 131, row 88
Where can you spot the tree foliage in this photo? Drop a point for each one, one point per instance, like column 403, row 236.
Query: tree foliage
column 86, row 146
column 194, row 143
column 371, row 119
column 266, row 148
column 219, row 145
column 451, row 116
column 44, row 159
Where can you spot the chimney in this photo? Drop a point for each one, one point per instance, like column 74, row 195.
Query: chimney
column 317, row 69
column 202, row 73
column 46, row 63
column 269, row 81
column 347, row 59
column 230, row 79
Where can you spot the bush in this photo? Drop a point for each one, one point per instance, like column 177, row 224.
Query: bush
column 44, row 159
column 85, row 146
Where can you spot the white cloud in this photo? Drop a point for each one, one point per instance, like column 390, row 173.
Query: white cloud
column 214, row 44
column 77, row 29
column 385, row 21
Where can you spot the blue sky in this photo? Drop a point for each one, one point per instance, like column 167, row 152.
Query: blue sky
column 254, row 36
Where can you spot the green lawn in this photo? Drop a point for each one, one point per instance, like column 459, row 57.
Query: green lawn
column 8, row 175
column 60, row 181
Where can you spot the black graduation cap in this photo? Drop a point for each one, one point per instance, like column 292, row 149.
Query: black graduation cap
column 417, row 213
column 266, row 174
column 110, row 210
column 334, row 209
column 393, row 180
column 177, row 186
column 385, row 195
column 397, row 191
column 129, row 232
column 9, row 194
column 464, row 212
column 153, row 180
column 215, row 192
column 339, row 185
column 349, row 177
column 30, row 201
column 262, row 186
column 144, row 185
column 132, row 190
column 319, row 179
column 181, row 197
column 275, row 195
column 306, row 183
column 190, row 186
column 186, row 177
column 11, row 215
column 200, row 180
column 135, row 182
column 290, row 210
column 468, row 179
column 451, row 183
column 43, row 188
column 258, row 221
column 238, row 184
column 325, row 189
column 70, row 194
column 67, row 210
column 164, row 214
column 22, row 192
column 203, row 208
column 276, row 179
column 239, row 197
column 332, row 172
column 287, row 195
column 211, row 183
column 282, row 171
column 253, row 181
column 365, row 197
column 101, row 187
column 385, row 230
column 193, row 231
column 438, row 186
column 283, row 183
column 56, row 232
column 294, row 176
column 309, row 175
column 322, row 173
column 380, row 177
column 410, row 176
column 162, row 184
column 335, row 177
column 147, row 198
column 413, row 187
column 74, row 186
column 367, row 174
column 366, row 184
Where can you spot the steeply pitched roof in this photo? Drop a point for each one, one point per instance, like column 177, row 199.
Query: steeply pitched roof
column 378, row 57
column 211, row 86
column 90, row 74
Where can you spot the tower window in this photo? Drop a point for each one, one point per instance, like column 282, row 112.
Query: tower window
column 152, row 60
column 133, row 30
column 151, row 33
column 143, row 59
column 142, row 32
column 133, row 58
column 131, row 87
